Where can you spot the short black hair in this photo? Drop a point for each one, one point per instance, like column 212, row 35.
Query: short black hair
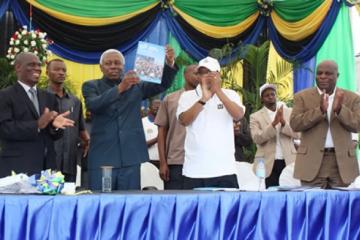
column 53, row 60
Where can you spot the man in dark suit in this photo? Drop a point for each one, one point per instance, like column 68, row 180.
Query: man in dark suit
column 29, row 121
column 117, row 135
column 326, row 116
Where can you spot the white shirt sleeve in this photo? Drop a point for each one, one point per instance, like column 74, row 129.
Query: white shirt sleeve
column 186, row 101
column 234, row 96
column 354, row 136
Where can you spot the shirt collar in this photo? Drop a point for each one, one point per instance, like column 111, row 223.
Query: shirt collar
column 66, row 94
column 110, row 82
column 331, row 95
column 278, row 105
column 26, row 87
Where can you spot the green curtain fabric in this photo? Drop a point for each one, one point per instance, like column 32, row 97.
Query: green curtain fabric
column 96, row 8
column 182, row 60
column 339, row 47
column 218, row 13
column 295, row 10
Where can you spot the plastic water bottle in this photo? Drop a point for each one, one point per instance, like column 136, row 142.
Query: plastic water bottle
column 261, row 173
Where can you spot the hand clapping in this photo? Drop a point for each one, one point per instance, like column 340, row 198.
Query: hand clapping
column 62, row 122
column 279, row 117
column 206, row 93
column 324, row 101
column 58, row 120
column 46, row 117
column 339, row 97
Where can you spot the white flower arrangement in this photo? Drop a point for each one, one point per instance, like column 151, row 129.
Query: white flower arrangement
column 29, row 41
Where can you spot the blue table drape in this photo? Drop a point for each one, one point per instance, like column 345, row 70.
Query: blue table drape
column 183, row 215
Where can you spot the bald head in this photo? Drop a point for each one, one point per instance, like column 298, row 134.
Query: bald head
column 326, row 75
column 329, row 63
column 28, row 68
column 190, row 68
column 21, row 57
column 191, row 77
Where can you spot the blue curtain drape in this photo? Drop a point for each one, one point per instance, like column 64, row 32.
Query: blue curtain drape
column 304, row 75
column 4, row 6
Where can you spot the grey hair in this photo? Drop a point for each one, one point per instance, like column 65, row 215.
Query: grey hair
column 112, row 51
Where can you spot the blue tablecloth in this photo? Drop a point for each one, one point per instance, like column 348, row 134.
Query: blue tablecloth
column 183, row 215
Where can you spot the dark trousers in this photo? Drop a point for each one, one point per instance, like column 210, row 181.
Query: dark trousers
column 156, row 163
column 176, row 178
column 273, row 179
column 227, row 181
column 125, row 178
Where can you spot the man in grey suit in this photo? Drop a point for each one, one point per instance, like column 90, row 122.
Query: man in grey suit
column 117, row 135
column 326, row 116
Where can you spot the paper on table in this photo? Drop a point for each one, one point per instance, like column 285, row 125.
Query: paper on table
column 17, row 184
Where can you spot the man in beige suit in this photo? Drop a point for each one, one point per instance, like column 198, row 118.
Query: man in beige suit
column 271, row 132
column 326, row 116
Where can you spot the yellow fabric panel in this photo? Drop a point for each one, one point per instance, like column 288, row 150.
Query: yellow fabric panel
column 215, row 31
column 285, row 84
column 358, row 8
column 233, row 76
column 296, row 31
column 78, row 73
column 88, row 21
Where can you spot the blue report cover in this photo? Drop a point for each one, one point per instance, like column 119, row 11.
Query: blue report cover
column 149, row 62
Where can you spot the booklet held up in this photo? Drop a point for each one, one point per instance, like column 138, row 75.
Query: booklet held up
column 149, row 62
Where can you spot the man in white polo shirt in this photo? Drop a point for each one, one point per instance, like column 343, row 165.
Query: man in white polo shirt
column 208, row 112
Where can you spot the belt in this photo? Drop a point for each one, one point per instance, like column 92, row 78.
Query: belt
column 329, row 149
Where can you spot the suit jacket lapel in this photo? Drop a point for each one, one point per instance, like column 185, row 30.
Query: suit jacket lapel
column 265, row 115
column 23, row 95
column 42, row 100
column 315, row 97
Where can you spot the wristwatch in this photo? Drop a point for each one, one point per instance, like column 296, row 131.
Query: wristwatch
column 202, row 102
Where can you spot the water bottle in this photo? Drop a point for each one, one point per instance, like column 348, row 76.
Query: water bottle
column 261, row 173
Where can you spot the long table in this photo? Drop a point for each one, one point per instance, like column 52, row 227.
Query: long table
column 183, row 215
